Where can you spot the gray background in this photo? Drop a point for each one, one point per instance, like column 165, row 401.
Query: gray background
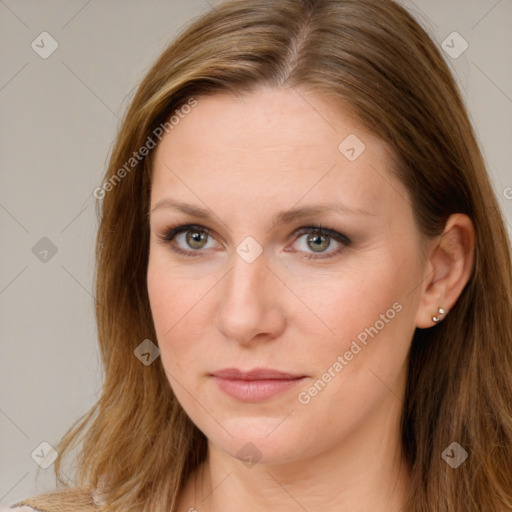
column 59, row 119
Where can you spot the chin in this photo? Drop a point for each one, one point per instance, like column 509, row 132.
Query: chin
column 261, row 440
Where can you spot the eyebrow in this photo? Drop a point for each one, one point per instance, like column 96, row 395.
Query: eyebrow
column 283, row 217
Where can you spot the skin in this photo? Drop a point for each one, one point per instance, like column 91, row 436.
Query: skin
column 246, row 159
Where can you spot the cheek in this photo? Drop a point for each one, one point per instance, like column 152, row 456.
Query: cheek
column 181, row 310
column 170, row 301
column 367, row 317
column 364, row 364
column 349, row 301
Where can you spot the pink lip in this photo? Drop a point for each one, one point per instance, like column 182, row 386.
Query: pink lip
column 255, row 385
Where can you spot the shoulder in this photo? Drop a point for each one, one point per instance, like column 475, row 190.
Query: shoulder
column 66, row 499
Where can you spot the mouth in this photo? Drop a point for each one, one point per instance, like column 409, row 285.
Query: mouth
column 255, row 385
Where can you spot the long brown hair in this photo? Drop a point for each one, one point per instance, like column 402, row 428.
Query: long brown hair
column 374, row 58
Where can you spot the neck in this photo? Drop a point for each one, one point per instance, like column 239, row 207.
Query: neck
column 364, row 472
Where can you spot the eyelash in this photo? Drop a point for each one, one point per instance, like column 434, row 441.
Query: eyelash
column 171, row 232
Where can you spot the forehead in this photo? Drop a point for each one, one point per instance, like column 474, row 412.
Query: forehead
column 282, row 145
column 267, row 118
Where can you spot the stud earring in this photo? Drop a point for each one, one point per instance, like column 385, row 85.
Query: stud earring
column 441, row 313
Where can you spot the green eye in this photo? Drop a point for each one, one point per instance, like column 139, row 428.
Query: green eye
column 317, row 240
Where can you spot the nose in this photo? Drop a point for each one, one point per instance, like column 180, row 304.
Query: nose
column 251, row 302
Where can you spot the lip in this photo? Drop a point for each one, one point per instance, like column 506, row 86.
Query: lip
column 255, row 385
column 255, row 374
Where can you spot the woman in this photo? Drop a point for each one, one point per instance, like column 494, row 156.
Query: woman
column 304, row 280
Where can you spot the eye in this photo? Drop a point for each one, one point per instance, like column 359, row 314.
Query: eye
column 190, row 240
column 318, row 239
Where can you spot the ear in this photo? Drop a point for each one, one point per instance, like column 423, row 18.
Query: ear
column 450, row 265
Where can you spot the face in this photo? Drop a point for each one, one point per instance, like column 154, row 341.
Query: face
column 280, row 243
